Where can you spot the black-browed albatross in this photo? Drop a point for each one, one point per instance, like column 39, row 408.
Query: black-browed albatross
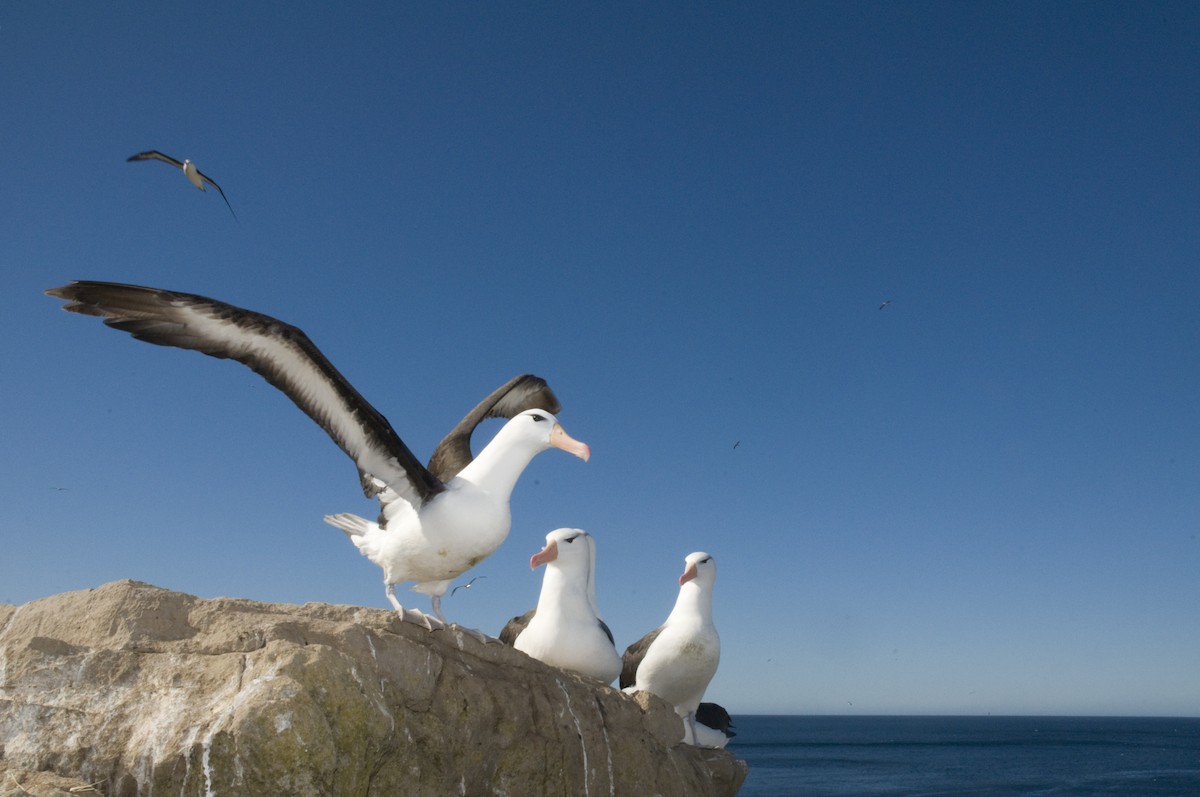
column 678, row 659
column 431, row 527
column 525, row 392
column 194, row 175
column 565, row 629
column 714, row 726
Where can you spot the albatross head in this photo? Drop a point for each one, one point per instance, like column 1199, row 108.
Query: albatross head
column 569, row 547
column 500, row 463
column 701, row 568
column 545, row 428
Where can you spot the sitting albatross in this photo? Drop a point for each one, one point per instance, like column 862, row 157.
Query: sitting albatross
column 678, row 659
column 431, row 527
column 194, row 175
column 714, row 726
column 565, row 629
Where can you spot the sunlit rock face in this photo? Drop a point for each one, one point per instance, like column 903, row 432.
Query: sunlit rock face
column 144, row 691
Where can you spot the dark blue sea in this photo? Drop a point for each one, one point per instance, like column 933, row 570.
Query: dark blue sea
column 968, row 756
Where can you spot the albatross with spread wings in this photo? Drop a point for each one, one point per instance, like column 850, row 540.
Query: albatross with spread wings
column 194, row 175
column 435, row 523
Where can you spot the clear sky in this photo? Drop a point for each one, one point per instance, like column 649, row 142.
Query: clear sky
column 980, row 498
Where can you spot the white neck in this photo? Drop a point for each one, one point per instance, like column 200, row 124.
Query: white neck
column 591, row 576
column 501, row 462
column 692, row 603
column 560, row 590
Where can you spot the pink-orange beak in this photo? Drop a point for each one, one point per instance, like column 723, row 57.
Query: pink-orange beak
column 688, row 574
column 560, row 439
column 547, row 554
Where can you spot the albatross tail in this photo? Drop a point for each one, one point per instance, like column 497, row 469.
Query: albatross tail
column 353, row 525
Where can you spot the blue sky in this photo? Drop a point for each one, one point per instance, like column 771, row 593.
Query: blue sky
column 982, row 498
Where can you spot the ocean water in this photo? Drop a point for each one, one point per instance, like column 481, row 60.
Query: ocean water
column 968, row 756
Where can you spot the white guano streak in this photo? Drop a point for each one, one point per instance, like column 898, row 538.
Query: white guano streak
column 579, row 730
column 234, row 703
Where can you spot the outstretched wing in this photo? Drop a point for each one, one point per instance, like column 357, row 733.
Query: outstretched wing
column 155, row 155
column 525, row 392
column 213, row 183
column 633, row 657
column 280, row 353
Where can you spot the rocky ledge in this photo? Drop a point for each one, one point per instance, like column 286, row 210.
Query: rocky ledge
column 130, row 689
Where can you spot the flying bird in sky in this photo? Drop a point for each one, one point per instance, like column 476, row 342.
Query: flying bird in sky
column 435, row 523
column 194, row 175
column 465, row 586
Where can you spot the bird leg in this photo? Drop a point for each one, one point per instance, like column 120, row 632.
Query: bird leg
column 432, row 623
column 424, row 619
column 391, row 596
column 471, row 632
column 689, row 728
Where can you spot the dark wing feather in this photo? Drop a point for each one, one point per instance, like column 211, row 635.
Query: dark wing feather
column 280, row 353
column 633, row 657
column 154, row 155
column 716, row 717
column 513, row 628
column 213, row 183
column 525, row 392
column 607, row 631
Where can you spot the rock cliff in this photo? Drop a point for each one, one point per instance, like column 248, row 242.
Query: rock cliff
column 135, row 690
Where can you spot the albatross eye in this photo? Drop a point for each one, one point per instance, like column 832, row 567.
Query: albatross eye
column 538, row 418
column 571, row 539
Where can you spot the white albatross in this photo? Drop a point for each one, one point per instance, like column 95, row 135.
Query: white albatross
column 194, row 175
column 678, row 659
column 431, row 529
column 565, row 629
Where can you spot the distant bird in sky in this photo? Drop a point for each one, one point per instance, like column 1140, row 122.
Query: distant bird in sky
column 565, row 629
column 465, row 586
column 430, row 529
column 678, row 659
column 194, row 175
column 885, row 303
